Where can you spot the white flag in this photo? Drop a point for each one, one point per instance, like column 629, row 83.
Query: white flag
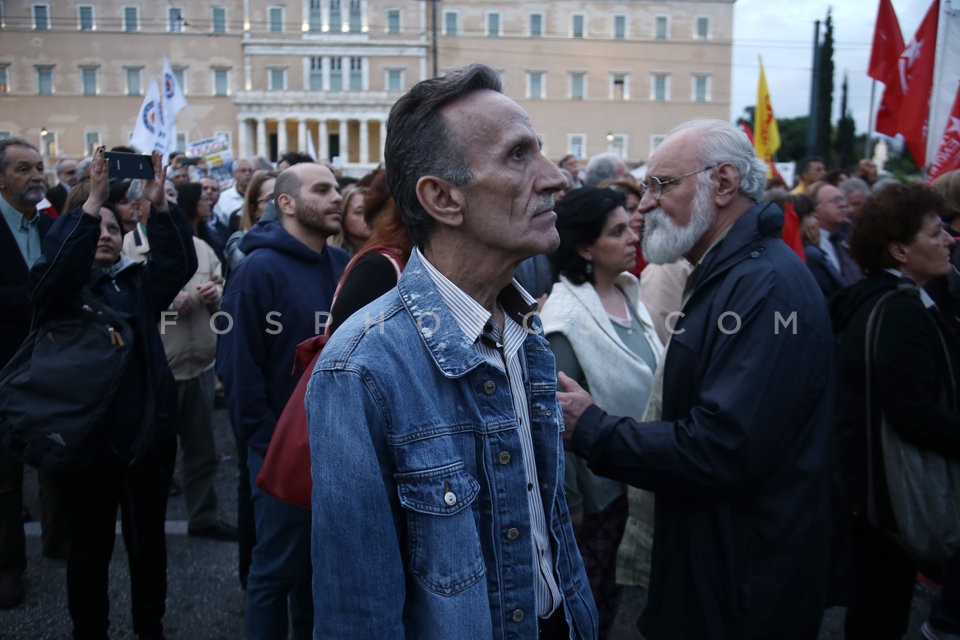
column 173, row 98
column 150, row 130
column 311, row 150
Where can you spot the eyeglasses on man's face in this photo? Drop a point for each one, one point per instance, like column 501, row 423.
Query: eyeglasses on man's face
column 654, row 185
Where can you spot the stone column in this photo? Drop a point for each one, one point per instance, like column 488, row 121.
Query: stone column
column 243, row 138
column 383, row 138
column 364, row 141
column 302, row 135
column 324, row 141
column 262, row 146
column 281, row 135
column 344, row 143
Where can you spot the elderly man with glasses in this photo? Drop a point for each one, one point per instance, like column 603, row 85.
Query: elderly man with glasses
column 830, row 261
column 737, row 437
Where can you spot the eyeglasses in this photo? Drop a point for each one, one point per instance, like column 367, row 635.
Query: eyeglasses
column 266, row 200
column 655, row 188
column 840, row 201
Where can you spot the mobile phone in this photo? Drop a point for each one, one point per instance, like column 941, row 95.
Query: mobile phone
column 128, row 165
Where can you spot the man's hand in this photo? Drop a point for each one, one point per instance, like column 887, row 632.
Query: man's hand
column 184, row 303
column 153, row 189
column 99, row 183
column 574, row 400
column 209, row 293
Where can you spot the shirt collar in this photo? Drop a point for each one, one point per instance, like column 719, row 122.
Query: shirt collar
column 924, row 296
column 16, row 220
column 469, row 314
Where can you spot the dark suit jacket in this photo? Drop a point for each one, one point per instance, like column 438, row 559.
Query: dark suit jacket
column 14, row 301
column 57, row 196
column 823, row 272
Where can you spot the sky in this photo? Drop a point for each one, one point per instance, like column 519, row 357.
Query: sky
column 782, row 33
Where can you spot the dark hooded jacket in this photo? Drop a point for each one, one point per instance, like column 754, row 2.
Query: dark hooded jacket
column 144, row 408
column 271, row 303
column 739, row 461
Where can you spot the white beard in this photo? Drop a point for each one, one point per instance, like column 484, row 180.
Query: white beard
column 665, row 242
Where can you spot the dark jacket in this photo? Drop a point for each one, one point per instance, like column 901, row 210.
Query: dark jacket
column 144, row 409
column 14, row 293
column 739, row 462
column 827, row 277
column 270, row 304
column 911, row 368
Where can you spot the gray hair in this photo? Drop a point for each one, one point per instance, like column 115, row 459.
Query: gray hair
column 850, row 185
column 135, row 190
column 83, row 169
column 720, row 142
column 602, row 167
column 5, row 144
column 419, row 142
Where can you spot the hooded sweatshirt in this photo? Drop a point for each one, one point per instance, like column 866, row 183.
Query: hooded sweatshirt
column 277, row 297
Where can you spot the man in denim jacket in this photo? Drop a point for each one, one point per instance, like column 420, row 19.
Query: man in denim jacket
column 438, row 509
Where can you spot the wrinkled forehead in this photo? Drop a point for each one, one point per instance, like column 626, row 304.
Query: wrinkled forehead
column 487, row 118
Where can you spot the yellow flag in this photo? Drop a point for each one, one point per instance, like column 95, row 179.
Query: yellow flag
column 766, row 135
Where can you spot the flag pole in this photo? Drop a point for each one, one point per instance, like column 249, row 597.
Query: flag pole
column 870, row 122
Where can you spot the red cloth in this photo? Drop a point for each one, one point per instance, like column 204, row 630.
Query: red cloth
column 640, row 262
column 948, row 155
column 791, row 230
column 916, row 77
column 887, row 44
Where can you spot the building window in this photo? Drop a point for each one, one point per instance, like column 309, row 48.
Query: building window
column 535, row 80
column 219, row 19
column 48, row 144
column 620, row 27
column 315, row 17
column 91, row 140
column 175, row 19
column 315, row 77
column 180, row 73
column 578, row 86
column 660, row 87
column 131, row 19
column 394, row 79
column 4, row 80
column 451, row 23
column 393, row 21
column 356, row 20
column 85, row 17
column 133, row 80
column 701, row 88
column 619, row 89
column 661, row 28
column 221, row 82
column 41, row 17
column 89, row 80
column 275, row 19
column 336, row 74
column 577, row 144
column 703, row 27
column 45, row 80
column 536, row 25
column 576, row 25
column 356, row 74
column 336, row 18
column 277, row 78
column 493, row 24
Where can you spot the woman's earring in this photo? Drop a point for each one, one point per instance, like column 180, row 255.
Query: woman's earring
column 589, row 268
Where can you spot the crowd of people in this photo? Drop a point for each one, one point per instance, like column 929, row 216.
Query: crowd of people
column 545, row 385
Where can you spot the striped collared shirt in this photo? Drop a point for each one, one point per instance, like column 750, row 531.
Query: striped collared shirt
column 474, row 320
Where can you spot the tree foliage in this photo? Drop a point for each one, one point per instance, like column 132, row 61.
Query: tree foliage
column 844, row 146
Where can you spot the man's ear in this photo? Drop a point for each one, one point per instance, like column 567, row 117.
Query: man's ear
column 728, row 184
column 442, row 200
column 286, row 205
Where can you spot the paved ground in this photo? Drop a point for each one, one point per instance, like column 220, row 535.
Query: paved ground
column 204, row 601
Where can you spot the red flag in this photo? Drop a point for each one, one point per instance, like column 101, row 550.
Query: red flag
column 745, row 127
column 791, row 230
column 916, row 81
column 887, row 44
column 948, row 155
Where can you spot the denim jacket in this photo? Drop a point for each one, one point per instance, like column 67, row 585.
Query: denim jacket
column 420, row 516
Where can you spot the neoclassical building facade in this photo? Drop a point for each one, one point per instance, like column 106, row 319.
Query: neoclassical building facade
column 275, row 75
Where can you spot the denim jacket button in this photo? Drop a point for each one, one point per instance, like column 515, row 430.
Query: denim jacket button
column 504, row 457
column 450, row 498
column 489, row 387
column 517, row 615
column 513, row 533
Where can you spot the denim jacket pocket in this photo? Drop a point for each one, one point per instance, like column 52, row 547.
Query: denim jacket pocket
column 443, row 541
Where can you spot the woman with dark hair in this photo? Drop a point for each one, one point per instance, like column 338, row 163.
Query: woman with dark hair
column 603, row 337
column 137, row 447
column 632, row 197
column 900, row 245
column 198, row 210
